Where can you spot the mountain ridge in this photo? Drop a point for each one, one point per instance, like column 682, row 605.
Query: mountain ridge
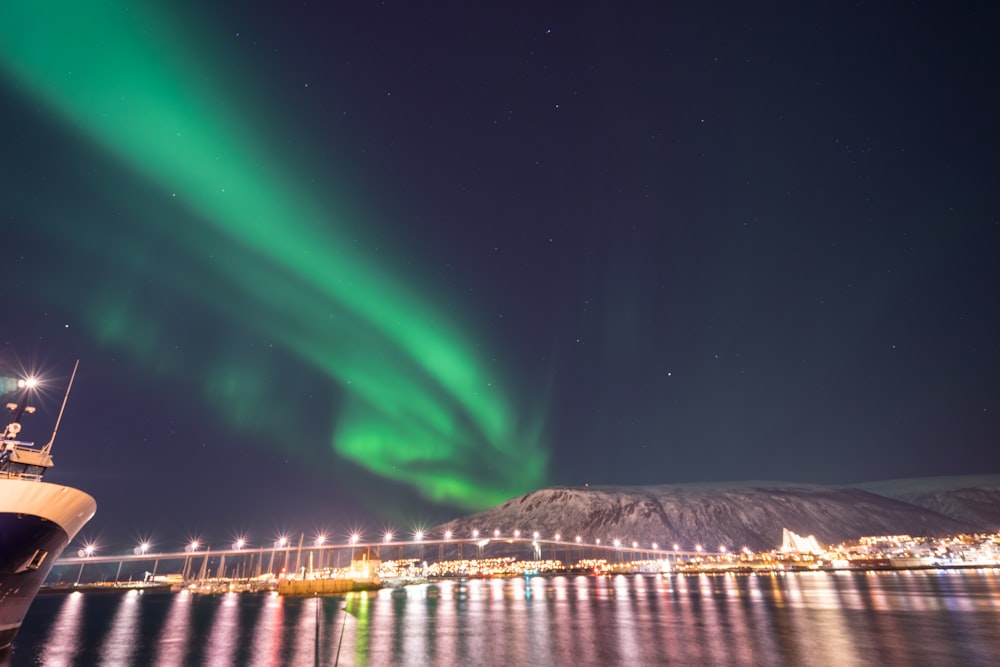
column 748, row 514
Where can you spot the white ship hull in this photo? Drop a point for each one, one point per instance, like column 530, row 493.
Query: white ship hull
column 37, row 521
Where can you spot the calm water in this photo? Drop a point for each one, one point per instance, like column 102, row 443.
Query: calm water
column 911, row 618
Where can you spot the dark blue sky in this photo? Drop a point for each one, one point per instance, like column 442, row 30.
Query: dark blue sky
column 699, row 243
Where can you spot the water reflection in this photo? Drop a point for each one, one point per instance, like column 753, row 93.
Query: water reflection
column 62, row 643
column 120, row 641
column 807, row 618
column 224, row 631
column 173, row 642
column 266, row 640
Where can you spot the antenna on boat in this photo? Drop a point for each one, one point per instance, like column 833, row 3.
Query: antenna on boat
column 47, row 447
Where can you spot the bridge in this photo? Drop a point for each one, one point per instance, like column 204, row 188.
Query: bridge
column 241, row 560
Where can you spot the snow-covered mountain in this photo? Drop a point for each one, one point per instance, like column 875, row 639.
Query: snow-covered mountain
column 734, row 515
column 974, row 499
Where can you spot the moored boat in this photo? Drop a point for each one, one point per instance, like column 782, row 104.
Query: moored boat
column 37, row 519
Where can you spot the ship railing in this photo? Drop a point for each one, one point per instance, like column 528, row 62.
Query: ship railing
column 22, row 460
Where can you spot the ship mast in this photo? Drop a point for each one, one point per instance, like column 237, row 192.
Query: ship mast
column 47, row 447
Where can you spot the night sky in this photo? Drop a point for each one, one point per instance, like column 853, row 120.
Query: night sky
column 338, row 265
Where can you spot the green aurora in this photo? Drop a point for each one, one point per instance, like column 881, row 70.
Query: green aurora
column 416, row 403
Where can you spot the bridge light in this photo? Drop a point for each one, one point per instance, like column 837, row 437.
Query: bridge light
column 387, row 537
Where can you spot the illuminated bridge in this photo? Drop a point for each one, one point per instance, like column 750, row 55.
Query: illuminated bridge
column 241, row 560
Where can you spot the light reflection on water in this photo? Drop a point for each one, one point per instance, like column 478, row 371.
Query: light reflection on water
column 905, row 618
column 171, row 647
column 118, row 645
column 66, row 626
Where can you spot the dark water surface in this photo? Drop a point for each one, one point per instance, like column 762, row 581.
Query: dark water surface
column 902, row 618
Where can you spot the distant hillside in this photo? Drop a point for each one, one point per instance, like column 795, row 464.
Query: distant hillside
column 974, row 499
column 735, row 515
